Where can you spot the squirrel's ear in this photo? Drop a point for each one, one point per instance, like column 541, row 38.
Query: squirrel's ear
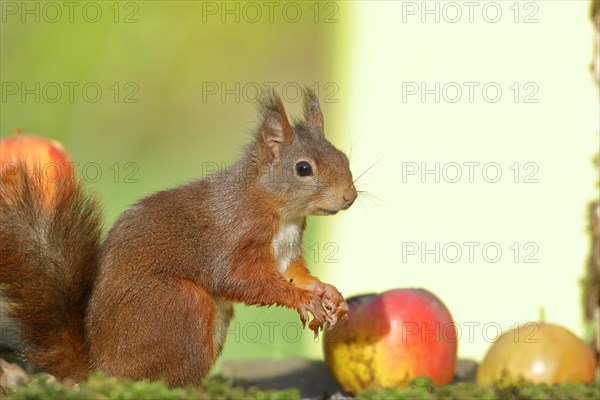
column 312, row 110
column 275, row 129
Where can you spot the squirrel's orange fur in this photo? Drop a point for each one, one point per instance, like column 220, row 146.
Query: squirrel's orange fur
column 154, row 300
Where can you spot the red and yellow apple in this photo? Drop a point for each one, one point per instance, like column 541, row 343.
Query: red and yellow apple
column 538, row 353
column 392, row 338
column 46, row 160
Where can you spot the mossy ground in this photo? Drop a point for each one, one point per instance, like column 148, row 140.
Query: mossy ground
column 423, row 389
column 98, row 387
column 105, row 388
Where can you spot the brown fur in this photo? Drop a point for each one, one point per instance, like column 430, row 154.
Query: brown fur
column 48, row 260
column 173, row 263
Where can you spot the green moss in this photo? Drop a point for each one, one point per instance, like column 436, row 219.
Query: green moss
column 99, row 387
column 422, row 389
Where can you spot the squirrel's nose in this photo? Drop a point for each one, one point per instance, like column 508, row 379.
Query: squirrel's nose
column 349, row 196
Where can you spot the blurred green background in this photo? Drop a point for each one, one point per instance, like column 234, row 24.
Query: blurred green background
column 178, row 83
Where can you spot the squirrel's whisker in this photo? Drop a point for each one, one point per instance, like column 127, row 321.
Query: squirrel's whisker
column 366, row 170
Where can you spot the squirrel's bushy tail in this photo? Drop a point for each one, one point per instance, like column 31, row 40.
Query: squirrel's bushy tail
column 48, row 259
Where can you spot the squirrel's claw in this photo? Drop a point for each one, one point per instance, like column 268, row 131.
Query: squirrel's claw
column 337, row 308
column 315, row 307
column 332, row 321
column 315, row 326
column 303, row 318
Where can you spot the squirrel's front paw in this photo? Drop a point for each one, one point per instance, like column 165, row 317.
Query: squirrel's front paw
column 336, row 306
column 315, row 307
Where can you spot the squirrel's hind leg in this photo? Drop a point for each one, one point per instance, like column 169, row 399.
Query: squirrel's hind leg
column 173, row 333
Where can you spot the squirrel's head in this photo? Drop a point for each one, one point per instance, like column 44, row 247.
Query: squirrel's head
column 298, row 165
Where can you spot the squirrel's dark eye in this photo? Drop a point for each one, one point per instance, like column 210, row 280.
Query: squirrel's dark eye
column 303, row 168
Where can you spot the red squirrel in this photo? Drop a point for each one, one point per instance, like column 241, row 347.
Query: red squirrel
column 153, row 300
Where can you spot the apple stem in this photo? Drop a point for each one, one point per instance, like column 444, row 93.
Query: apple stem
column 542, row 314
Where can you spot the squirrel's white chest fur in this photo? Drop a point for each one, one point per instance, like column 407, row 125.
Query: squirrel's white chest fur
column 287, row 246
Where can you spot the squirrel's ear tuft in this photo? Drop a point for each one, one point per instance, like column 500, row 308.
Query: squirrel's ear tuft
column 312, row 110
column 275, row 128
